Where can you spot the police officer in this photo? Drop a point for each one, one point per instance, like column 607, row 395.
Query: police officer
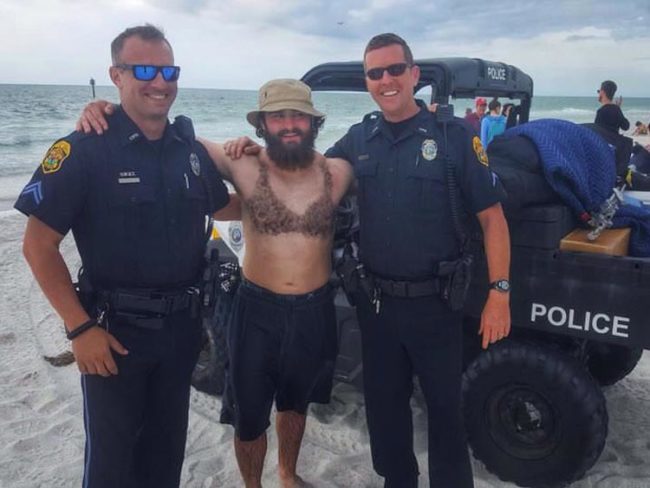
column 406, row 232
column 136, row 200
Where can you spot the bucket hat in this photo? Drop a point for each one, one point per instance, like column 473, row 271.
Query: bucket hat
column 283, row 94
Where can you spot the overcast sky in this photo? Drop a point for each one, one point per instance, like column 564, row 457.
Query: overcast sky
column 568, row 47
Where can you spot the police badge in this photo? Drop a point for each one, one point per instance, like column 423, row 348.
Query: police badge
column 429, row 149
column 195, row 164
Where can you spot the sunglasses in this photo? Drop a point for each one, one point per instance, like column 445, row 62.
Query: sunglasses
column 397, row 69
column 147, row 72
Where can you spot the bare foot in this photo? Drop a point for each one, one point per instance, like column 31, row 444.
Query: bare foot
column 294, row 482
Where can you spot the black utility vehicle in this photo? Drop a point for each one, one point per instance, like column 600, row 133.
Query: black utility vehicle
column 534, row 410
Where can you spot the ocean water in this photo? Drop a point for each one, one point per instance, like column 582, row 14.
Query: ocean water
column 33, row 116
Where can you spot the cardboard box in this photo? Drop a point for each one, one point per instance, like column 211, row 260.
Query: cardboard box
column 614, row 242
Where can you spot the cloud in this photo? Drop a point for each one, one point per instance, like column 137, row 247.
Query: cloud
column 577, row 38
column 416, row 19
column 565, row 45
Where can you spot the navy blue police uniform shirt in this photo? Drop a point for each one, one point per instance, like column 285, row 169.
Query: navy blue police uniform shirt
column 137, row 209
column 406, row 226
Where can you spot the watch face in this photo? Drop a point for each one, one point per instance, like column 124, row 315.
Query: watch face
column 501, row 285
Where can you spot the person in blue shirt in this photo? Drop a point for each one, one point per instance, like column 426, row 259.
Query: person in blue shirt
column 493, row 124
column 136, row 200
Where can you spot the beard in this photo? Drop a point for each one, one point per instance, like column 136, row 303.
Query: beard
column 291, row 156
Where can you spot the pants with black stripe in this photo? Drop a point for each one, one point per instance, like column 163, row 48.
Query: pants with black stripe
column 414, row 337
column 136, row 421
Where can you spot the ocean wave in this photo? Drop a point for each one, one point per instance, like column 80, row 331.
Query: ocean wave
column 16, row 140
column 7, row 170
column 566, row 111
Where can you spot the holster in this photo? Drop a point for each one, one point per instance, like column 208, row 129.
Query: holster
column 455, row 277
column 347, row 269
column 86, row 294
column 210, row 283
column 219, row 283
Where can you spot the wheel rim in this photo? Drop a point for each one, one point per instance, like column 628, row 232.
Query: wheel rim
column 522, row 422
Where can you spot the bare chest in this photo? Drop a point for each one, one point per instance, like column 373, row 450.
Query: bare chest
column 276, row 206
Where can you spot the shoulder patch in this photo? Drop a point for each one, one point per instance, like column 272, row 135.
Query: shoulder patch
column 480, row 151
column 55, row 156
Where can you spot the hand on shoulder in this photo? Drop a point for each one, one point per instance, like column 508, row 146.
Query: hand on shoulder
column 236, row 148
column 93, row 117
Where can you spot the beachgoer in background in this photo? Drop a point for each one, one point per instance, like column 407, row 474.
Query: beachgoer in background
column 493, row 124
column 136, row 200
column 640, row 129
column 609, row 115
column 474, row 118
column 510, row 111
column 406, row 230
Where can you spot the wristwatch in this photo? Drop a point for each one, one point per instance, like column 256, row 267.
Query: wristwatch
column 502, row 286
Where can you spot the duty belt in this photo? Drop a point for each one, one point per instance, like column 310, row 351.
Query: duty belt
column 407, row 289
column 146, row 306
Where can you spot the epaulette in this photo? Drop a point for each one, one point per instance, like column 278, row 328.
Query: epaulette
column 372, row 116
column 370, row 123
column 79, row 136
column 184, row 128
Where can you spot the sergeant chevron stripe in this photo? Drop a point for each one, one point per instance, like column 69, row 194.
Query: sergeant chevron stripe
column 35, row 189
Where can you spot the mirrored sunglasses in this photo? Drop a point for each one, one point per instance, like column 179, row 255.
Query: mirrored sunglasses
column 396, row 69
column 147, row 72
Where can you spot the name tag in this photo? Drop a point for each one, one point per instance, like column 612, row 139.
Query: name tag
column 126, row 177
column 132, row 179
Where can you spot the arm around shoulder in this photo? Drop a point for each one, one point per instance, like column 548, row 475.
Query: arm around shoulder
column 342, row 174
column 218, row 156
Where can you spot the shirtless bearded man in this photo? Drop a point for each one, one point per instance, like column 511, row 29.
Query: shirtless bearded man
column 282, row 336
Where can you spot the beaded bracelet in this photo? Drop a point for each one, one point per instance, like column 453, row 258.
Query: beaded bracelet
column 81, row 329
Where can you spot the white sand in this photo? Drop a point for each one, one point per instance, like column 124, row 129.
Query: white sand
column 41, row 430
column 643, row 140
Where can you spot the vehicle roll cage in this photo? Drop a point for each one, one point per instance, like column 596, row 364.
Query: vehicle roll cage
column 449, row 78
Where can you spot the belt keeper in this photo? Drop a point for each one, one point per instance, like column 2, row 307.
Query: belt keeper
column 81, row 329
